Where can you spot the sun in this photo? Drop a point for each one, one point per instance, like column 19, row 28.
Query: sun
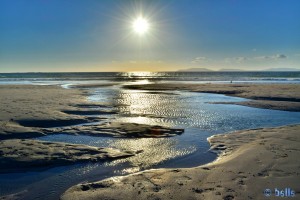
column 140, row 25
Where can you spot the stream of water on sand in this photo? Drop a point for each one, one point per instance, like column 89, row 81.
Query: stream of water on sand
column 192, row 111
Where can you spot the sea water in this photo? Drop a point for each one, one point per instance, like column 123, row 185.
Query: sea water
column 259, row 76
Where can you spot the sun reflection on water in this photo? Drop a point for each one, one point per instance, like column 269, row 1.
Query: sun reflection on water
column 138, row 120
column 144, row 104
column 138, row 74
column 154, row 151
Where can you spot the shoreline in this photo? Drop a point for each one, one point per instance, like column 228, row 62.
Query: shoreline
column 273, row 158
column 285, row 97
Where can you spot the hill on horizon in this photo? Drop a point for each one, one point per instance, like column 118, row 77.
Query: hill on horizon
column 237, row 70
column 195, row 70
column 281, row 69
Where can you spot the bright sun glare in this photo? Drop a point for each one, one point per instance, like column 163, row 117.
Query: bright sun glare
column 140, row 25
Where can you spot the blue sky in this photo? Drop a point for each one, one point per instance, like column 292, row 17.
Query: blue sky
column 94, row 35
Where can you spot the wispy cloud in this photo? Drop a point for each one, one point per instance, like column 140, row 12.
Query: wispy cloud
column 261, row 57
column 272, row 57
column 239, row 59
column 199, row 59
column 242, row 59
column 279, row 56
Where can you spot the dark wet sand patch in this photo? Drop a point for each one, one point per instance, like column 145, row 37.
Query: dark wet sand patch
column 21, row 135
column 51, row 123
column 89, row 112
column 90, row 126
column 93, row 106
column 83, row 86
column 278, row 99
column 115, row 129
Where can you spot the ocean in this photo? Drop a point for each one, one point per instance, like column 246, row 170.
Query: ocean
column 290, row 77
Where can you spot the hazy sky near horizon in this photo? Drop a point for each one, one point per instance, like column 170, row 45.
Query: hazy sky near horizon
column 97, row 35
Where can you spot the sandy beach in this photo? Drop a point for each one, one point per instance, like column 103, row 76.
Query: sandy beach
column 249, row 163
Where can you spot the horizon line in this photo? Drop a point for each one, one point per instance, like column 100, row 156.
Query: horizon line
column 237, row 70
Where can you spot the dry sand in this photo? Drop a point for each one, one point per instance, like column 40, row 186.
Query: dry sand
column 17, row 155
column 268, row 96
column 22, row 104
column 37, row 101
column 251, row 161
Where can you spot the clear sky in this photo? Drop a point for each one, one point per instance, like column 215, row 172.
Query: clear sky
column 98, row 35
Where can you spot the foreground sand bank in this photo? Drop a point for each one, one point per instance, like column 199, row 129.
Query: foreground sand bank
column 251, row 161
column 37, row 101
column 269, row 96
column 17, row 155
column 23, row 103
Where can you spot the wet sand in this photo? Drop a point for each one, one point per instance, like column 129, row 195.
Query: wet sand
column 249, row 162
column 269, row 96
column 19, row 155
column 95, row 85
column 119, row 130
